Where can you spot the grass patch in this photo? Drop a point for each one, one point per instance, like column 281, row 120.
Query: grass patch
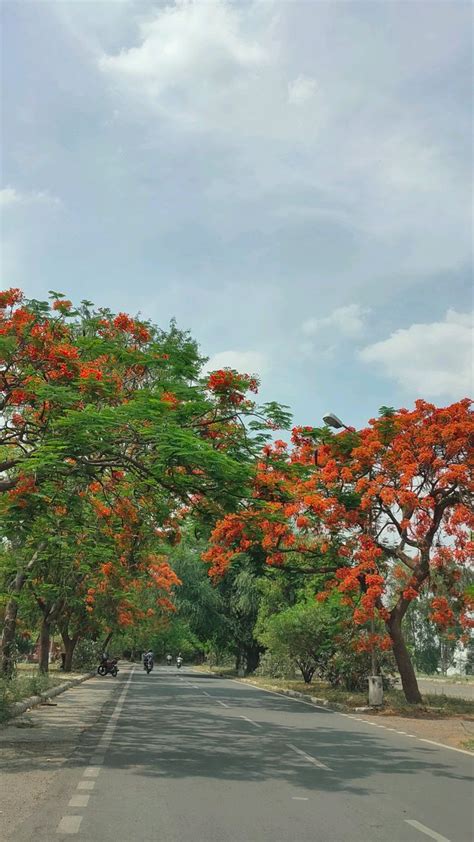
column 24, row 684
column 468, row 744
column 435, row 706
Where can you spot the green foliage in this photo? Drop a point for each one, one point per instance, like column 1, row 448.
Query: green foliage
column 305, row 633
column 86, row 655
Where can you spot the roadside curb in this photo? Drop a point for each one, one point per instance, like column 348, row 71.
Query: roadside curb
column 18, row 708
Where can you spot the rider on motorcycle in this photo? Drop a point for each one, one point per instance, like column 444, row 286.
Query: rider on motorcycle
column 169, row 659
column 148, row 658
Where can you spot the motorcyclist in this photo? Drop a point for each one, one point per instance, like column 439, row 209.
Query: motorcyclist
column 169, row 659
column 148, row 658
column 179, row 659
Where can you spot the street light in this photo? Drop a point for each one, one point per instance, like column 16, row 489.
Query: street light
column 331, row 420
column 375, row 681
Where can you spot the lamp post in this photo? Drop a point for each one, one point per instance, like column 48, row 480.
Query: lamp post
column 375, row 681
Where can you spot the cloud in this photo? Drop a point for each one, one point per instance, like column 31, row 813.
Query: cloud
column 347, row 321
column 431, row 360
column 216, row 67
column 10, row 196
column 246, row 362
column 301, row 90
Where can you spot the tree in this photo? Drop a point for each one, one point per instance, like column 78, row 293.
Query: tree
column 376, row 512
column 305, row 632
column 89, row 400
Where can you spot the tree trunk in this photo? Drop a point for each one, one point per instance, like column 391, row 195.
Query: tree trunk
column 69, row 647
column 107, row 641
column 45, row 641
column 8, row 638
column 252, row 658
column 404, row 664
column 11, row 612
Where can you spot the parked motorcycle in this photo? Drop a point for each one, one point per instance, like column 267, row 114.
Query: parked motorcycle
column 108, row 666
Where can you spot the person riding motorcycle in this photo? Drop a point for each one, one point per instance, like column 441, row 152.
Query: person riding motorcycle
column 179, row 660
column 148, row 659
column 169, row 659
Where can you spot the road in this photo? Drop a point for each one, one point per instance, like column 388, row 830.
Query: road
column 180, row 756
column 459, row 689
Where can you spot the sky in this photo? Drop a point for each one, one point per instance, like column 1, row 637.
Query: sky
column 290, row 180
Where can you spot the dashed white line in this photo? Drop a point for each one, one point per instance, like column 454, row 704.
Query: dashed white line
column 222, row 703
column 426, row 830
column 91, row 772
column 69, row 824
column 348, row 715
column 257, row 725
column 309, row 757
column 86, row 785
column 79, row 800
column 298, row 798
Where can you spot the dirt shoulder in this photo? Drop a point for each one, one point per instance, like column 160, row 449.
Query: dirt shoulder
column 35, row 745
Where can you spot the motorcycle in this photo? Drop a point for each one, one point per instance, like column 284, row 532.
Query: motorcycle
column 179, row 662
column 148, row 665
column 108, row 667
column 169, row 660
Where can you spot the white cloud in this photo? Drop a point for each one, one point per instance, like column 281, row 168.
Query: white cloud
column 216, row 67
column 245, row 362
column 188, row 48
column 348, row 321
column 429, row 360
column 10, row 196
column 302, row 89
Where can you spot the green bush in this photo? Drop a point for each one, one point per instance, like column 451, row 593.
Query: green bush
column 349, row 669
column 276, row 666
column 86, row 655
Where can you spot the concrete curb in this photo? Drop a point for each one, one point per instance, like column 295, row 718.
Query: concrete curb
column 18, row 708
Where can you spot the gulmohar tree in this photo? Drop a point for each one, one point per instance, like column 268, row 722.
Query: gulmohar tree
column 114, row 412
column 378, row 513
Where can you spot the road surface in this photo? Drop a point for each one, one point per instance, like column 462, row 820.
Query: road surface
column 180, row 756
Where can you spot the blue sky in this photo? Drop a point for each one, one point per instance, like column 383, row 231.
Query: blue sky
column 291, row 181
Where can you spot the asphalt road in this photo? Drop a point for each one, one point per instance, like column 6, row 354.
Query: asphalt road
column 179, row 756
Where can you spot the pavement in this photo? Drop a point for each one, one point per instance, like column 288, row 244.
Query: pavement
column 459, row 689
column 182, row 756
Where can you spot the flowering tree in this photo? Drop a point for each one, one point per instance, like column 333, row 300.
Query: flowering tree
column 89, row 400
column 375, row 512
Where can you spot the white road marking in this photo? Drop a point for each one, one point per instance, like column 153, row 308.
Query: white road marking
column 86, row 785
column 426, row 830
column 222, row 703
column 69, row 824
column 349, row 715
column 298, row 798
column 308, row 757
column 204, row 693
column 251, row 721
column 441, row 745
column 79, row 800
column 91, row 772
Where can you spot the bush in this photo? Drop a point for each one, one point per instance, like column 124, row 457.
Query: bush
column 86, row 655
column 350, row 670
column 275, row 666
